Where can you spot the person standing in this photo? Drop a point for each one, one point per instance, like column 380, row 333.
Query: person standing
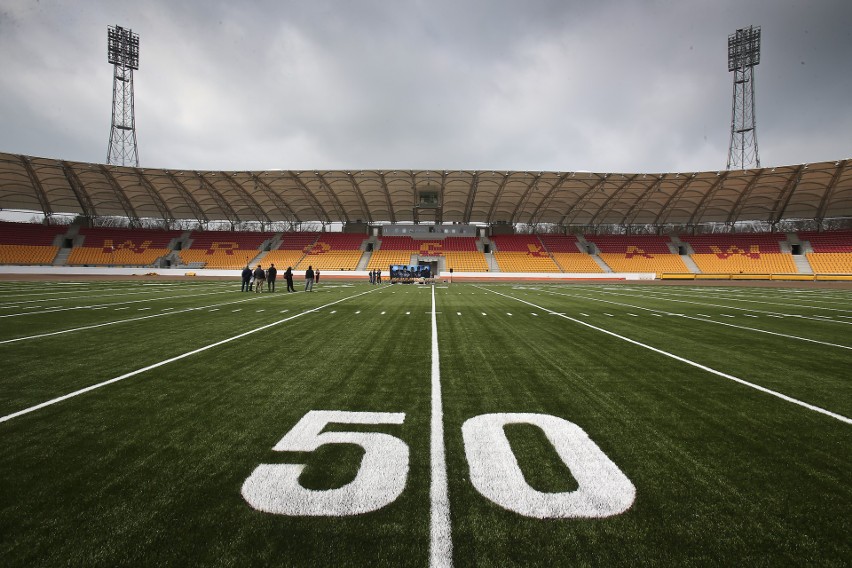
column 379, row 276
column 316, row 276
column 309, row 279
column 271, row 273
column 259, row 277
column 288, row 276
column 246, row 279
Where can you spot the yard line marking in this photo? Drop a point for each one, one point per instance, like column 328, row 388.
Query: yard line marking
column 758, row 330
column 440, row 537
column 101, row 306
column 726, row 315
column 695, row 364
column 97, row 325
column 169, row 360
column 706, row 305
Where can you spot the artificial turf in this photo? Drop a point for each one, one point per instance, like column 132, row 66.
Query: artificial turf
column 148, row 470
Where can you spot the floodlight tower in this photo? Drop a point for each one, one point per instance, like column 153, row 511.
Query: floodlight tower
column 743, row 55
column 123, row 53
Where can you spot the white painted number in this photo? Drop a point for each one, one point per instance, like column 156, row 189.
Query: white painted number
column 275, row 488
column 603, row 490
column 494, row 471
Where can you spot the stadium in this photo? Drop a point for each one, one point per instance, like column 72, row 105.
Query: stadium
column 557, row 368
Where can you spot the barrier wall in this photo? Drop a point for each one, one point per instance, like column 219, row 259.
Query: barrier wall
column 330, row 274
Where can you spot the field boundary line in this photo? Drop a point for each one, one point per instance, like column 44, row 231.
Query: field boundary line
column 440, row 535
column 97, row 292
column 169, row 360
column 705, row 320
column 116, row 322
column 695, row 364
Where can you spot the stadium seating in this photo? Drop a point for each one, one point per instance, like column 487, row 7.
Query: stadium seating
column 125, row 247
column 832, row 251
column 230, row 250
column 460, row 253
column 563, row 249
column 742, row 253
column 637, row 253
column 522, row 253
column 28, row 243
column 334, row 251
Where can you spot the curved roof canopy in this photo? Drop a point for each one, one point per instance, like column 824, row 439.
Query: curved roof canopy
column 806, row 191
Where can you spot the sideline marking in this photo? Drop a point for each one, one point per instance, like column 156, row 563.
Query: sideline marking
column 167, row 361
column 694, row 364
column 440, row 542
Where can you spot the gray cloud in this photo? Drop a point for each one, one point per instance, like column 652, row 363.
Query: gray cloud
column 541, row 85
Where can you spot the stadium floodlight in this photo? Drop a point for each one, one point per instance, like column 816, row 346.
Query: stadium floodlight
column 744, row 48
column 123, row 47
column 123, row 54
column 743, row 55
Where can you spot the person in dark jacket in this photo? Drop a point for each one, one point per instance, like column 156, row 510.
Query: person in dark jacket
column 246, row 279
column 309, row 279
column 271, row 273
column 259, row 278
column 316, row 276
column 288, row 276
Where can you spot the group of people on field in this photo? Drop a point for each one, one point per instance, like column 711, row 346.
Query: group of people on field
column 375, row 277
column 255, row 280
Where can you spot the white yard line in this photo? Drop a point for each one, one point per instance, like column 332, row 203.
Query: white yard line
column 169, row 360
column 440, row 541
column 695, row 364
column 659, row 313
column 104, row 306
column 115, row 322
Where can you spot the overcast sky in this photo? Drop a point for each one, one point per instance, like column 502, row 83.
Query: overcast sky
column 562, row 85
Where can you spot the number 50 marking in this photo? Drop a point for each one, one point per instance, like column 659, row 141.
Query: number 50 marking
column 603, row 490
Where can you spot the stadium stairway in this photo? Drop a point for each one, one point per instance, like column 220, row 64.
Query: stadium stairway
column 600, row 262
column 492, row 263
column 365, row 259
column 690, row 264
column 61, row 257
column 802, row 264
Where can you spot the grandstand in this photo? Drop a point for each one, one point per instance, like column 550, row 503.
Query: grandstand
column 742, row 253
column 225, row 250
column 128, row 247
column 28, row 243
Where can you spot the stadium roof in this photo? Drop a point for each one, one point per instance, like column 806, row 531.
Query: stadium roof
column 806, row 191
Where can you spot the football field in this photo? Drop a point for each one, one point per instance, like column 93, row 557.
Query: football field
column 187, row 423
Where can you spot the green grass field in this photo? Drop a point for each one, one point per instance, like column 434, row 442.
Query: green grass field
column 144, row 423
